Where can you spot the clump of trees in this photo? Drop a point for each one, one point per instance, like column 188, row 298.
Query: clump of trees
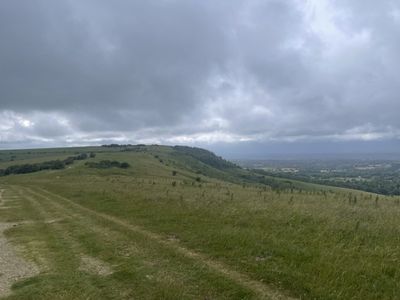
column 81, row 156
column 47, row 165
column 106, row 164
column 30, row 168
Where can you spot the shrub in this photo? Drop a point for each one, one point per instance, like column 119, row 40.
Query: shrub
column 124, row 165
column 81, row 156
column 106, row 164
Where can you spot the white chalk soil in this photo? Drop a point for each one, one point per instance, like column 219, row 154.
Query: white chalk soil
column 12, row 266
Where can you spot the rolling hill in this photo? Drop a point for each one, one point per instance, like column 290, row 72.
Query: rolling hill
column 161, row 222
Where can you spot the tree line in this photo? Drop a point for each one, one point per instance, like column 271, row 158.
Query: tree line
column 46, row 165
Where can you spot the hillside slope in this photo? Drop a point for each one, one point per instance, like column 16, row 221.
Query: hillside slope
column 192, row 162
column 182, row 223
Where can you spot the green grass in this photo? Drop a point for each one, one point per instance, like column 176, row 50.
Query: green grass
column 314, row 243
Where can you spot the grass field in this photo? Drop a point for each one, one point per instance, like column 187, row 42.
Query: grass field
column 148, row 232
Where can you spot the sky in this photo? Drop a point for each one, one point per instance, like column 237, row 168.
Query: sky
column 241, row 78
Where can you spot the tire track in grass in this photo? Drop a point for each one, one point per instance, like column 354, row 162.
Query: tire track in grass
column 66, row 255
column 13, row 267
column 1, row 195
column 44, row 216
column 89, row 222
column 87, row 263
column 262, row 290
column 50, row 219
column 3, row 202
column 67, row 258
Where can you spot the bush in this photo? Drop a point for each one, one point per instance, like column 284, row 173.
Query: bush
column 81, row 156
column 106, row 164
column 124, row 165
column 70, row 160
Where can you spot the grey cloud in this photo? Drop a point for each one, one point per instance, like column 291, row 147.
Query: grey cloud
column 195, row 71
column 140, row 56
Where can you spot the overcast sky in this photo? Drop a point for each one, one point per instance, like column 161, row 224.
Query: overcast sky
column 233, row 76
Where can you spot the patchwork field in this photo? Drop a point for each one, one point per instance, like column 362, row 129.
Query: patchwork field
column 183, row 224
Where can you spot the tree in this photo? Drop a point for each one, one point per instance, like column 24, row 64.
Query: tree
column 124, row 165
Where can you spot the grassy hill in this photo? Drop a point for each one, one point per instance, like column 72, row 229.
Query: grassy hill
column 182, row 223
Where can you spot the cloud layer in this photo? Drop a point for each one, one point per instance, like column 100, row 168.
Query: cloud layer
column 198, row 72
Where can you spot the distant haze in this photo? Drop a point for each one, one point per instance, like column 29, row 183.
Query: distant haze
column 242, row 78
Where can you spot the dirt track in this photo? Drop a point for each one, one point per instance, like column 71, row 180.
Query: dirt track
column 261, row 289
column 12, row 266
column 65, row 207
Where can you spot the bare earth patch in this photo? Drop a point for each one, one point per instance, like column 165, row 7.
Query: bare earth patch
column 9, row 207
column 12, row 266
column 94, row 266
column 1, row 195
